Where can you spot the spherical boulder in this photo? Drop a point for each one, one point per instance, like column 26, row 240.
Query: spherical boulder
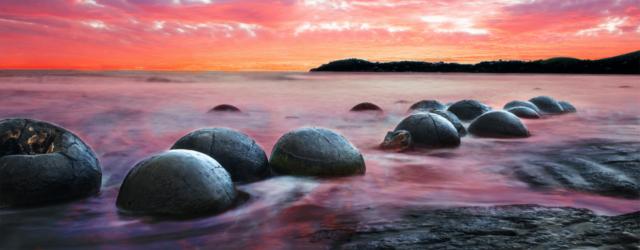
column 177, row 183
column 428, row 105
column 224, row 108
column 316, row 152
column 513, row 104
column 43, row 163
column 524, row 112
column 547, row 104
column 499, row 124
column 366, row 106
column 567, row 107
column 453, row 119
column 468, row 110
column 430, row 130
column 240, row 155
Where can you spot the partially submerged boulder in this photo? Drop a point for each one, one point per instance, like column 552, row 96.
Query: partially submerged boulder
column 42, row 163
column 567, row 107
column 451, row 117
column 366, row 106
column 428, row 105
column 225, row 108
column 430, row 130
column 177, row 183
column 240, row 155
column 547, row 104
column 527, row 104
column 316, row 152
column 499, row 124
column 468, row 110
column 524, row 112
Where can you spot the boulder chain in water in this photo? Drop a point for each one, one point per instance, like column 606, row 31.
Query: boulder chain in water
column 428, row 105
column 547, row 104
column 468, row 110
column 567, row 107
column 316, row 152
column 430, row 130
column 240, row 155
column 527, row 104
column 451, row 117
column 499, row 124
column 366, row 106
column 177, row 183
column 225, row 108
column 43, row 163
column 524, row 112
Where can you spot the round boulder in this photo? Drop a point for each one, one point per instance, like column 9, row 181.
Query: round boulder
column 366, row 106
column 225, row 108
column 430, row 130
column 42, row 163
column 177, row 183
column 240, row 155
column 453, row 119
column 567, row 107
column 513, row 104
column 468, row 110
column 428, row 105
column 524, row 112
column 316, row 152
column 499, row 124
column 547, row 104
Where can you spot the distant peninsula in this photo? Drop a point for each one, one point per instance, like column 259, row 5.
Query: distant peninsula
column 622, row 64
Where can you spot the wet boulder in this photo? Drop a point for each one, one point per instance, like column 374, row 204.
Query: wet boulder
column 240, row 155
column 567, row 107
column 499, row 124
column 468, row 110
column 524, row 112
column 43, row 163
column 451, row 117
column 316, row 152
column 428, row 105
column 177, row 183
column 366, row 106
column 224, row 108
column 430, row 130
column 527, row 104
column 547, row 104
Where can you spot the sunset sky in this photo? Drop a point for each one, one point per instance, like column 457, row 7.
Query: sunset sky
column 301, row 34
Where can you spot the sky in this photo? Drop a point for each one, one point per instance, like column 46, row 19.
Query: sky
column 292, row 35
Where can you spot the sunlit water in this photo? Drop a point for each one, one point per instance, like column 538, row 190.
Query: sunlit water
column 124, row 119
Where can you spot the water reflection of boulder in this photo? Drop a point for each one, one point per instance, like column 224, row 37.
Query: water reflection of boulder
column 598, row 166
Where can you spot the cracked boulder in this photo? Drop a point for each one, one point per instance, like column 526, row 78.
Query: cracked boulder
column 240, row 155
column 43, row 163
column 498, row 124
column 526, row 104
column 468, row 110
column 524, row 112
column 428, row 105
column 177, row 183
column 316, row 152
column 547, row 104
column 430, row 130
column 453, row 119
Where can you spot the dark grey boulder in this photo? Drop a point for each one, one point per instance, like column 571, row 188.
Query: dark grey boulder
column 225, row 108
column 499, row 124
column 524, row 112
column 240, row 155
column 527, row 104
column 430, row 130
column 316, row 152
column 428, row 105
column 366, row 106
column 177, row 183
column 567, row 107
column 42, row 163
column 451, row 117
column 547, row 104
column 468, row 110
